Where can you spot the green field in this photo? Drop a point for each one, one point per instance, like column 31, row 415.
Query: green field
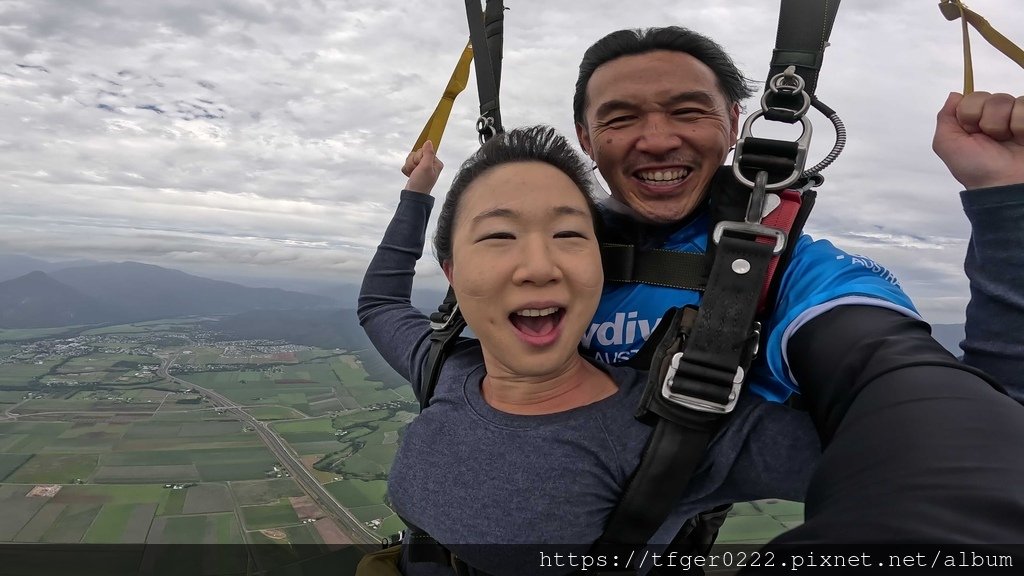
column 119, row 494
column 273, row 412
column 207, row 498
column 54, row 469
column 18, row 510
column 269, row 515
column 10, row 462
column 146, row 474
column 355, row 493
column 264, row 491
column 197, row 529
column 12, row 335
column 22, row 374
column 121, row 523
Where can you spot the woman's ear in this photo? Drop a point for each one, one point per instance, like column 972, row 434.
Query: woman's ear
column 446, row 266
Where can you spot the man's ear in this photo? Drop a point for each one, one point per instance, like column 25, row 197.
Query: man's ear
column 583, row 135
column 734, row 122
column 446, row 266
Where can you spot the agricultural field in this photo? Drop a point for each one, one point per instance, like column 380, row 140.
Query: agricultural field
column 10, row 335
column 757, row 522
column 96, row 448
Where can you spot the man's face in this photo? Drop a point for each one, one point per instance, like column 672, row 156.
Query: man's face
column 658, row 127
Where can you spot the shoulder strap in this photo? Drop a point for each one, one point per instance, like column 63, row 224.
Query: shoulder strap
column 486, row 36
column 801, row 39
column 447, row 324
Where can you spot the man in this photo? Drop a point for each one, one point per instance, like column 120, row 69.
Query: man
column 658, row 112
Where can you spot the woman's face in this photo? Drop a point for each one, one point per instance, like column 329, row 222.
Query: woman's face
column 526, row 267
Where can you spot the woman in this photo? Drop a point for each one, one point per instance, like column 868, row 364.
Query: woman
column 525, row 441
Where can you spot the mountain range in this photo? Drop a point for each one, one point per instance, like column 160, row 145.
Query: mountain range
column 36, row 293
column 90, row 293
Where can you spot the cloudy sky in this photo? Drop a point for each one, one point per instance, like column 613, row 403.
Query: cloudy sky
column 257, row 138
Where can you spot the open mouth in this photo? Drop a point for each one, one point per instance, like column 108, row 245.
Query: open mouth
column 665, row 178
column 537, row 322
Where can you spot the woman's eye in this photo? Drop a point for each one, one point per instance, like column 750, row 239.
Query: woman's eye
column 497, row 236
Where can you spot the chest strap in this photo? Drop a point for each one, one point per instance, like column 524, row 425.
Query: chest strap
column 626, row 263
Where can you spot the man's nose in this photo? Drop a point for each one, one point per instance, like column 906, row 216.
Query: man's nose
column 657, row 137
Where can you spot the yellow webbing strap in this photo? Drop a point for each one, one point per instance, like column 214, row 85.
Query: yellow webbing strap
column 434, row 128
column 953, row 9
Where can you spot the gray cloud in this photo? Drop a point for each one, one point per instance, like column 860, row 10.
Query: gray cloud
column 244, row 135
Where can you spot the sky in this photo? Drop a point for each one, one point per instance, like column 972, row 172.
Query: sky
column 251, row 139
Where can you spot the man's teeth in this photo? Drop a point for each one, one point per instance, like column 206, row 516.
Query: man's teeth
column 544, row 312
column 662, row 175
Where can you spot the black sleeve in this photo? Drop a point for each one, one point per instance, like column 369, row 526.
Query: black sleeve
column 994, row 264
column 837, row 354
column 918, row 448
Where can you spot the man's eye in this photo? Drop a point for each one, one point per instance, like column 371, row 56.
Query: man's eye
column 570, row 234
column 685, row 112
column 620, row 120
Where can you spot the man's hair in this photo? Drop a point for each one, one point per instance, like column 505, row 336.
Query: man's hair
column 733, row 84
column 527, row 144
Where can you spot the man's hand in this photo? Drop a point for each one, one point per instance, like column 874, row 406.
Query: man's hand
column 422, row 167
column 980, row 137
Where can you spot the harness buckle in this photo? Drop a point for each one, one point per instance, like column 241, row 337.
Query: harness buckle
column 799, row 158
column 486, row 129
column 444, row 321
column 753, row 229
column 695, row 403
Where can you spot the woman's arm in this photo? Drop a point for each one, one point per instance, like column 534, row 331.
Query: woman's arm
column 397, row 329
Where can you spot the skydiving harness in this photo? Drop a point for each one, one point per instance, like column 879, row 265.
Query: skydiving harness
column 699, row 357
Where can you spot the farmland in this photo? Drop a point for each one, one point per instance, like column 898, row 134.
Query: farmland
column 96, row 447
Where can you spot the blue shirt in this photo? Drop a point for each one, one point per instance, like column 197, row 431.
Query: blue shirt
column 818, row 278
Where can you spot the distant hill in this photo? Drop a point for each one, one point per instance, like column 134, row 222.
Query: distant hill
column 15, row 265
column 319, row 328
column 129, row 292
column 949, row 335
column 36, row 300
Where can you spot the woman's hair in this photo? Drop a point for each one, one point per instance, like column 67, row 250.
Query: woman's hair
column 526, row 144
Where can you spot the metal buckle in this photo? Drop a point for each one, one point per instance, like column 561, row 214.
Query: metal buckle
column 803, row 142
column 449, row 318
column 700, row 404
column 755, row 229
column 485, row 128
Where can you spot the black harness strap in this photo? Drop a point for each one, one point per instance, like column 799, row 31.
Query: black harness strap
column 485, row 33
column 447, row 323
column 804, row 29
column 693, row 384
column 627, row 263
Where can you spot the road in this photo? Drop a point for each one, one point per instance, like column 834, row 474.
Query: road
column 349, row 523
